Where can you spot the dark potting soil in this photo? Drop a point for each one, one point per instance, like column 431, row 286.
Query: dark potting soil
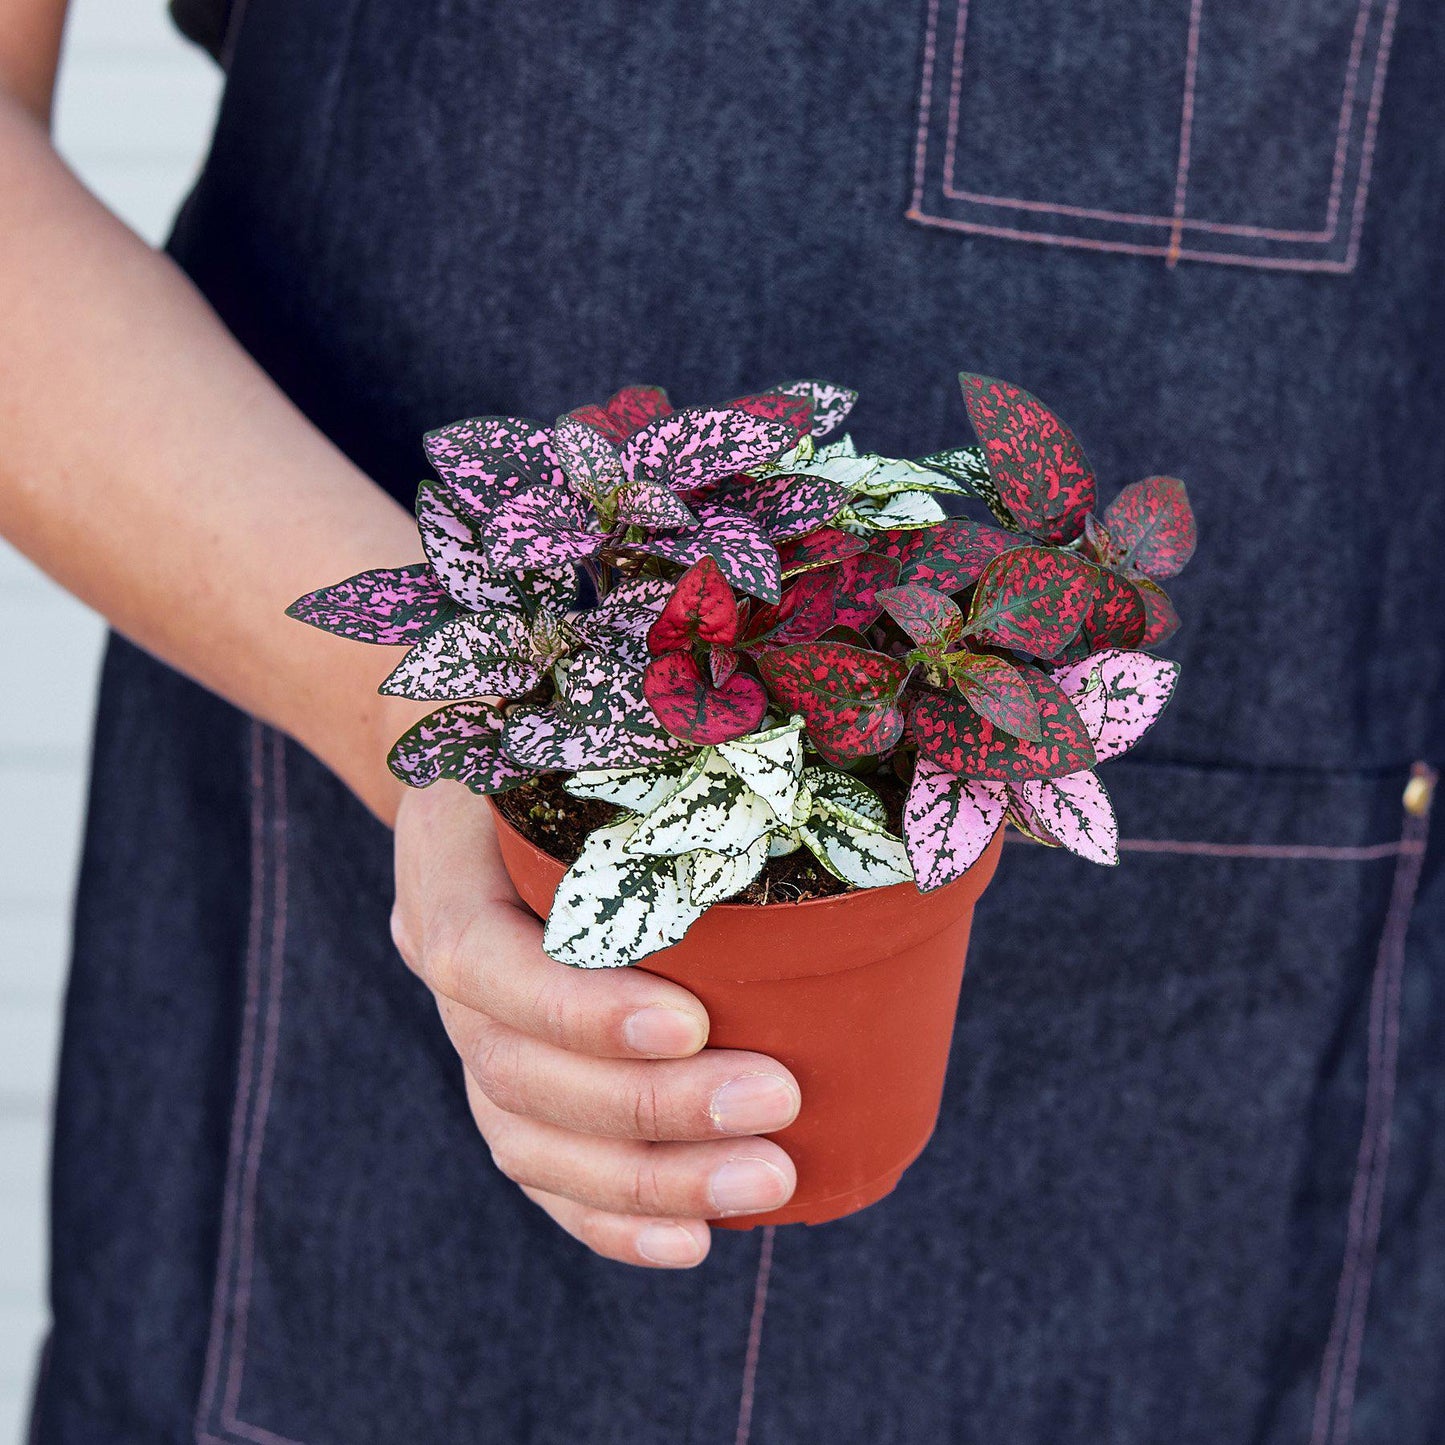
column 545, row 813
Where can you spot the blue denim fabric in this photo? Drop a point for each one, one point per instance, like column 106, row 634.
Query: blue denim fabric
column 1187, row 1180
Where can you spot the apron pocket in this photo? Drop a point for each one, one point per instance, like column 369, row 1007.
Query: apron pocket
column 1182, row 130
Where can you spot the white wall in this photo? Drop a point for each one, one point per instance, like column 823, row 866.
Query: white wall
column 134, row 114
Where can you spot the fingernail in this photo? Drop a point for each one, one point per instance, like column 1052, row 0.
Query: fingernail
column 744, row 1186
column 754, row 1104
column 668, row 1244
column 666, row 1032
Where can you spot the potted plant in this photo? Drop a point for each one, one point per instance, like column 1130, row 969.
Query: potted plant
column 754, row 709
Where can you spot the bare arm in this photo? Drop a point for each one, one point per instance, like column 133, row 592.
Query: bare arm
column 149, row 465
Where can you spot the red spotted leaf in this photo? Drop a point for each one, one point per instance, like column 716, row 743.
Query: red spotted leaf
column 931, row 619
column 743, row 554
column 691, row 707
column 819, row 549
column 389, row 606
column 485, row 458
column 795, row 412
column 784, row 505
column 997, row 692
column 1036, row 463
column 1163, row 620
column 829, row 404
column 949, row 556
column 699, row 445
column 848, row 696
column 804, row 614
column 1033, row 600
column 860, row 579
column 1151, row 525
column 702, row 610
column 462, row 741
column 952, row 734
column 722, row 663
column 626, row 412
column 1098, row 544
column 1116, row 617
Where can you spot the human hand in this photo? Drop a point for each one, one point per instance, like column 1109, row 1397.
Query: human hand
column 591, row 1088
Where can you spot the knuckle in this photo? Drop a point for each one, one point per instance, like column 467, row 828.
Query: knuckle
column 493, row 1064
column 446, row 960
column 557, row 1014
column 646, row 1188
column 647, row 1107
column 509, row 1159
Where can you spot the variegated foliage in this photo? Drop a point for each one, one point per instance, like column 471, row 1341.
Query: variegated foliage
column 630, row 594
column 699, row 830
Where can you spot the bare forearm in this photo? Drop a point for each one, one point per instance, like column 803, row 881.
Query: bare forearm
column 150, row 466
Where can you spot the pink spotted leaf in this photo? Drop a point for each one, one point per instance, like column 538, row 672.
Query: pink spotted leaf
column 698, row 445
column 389, row 606
column 782, row 504
column 1076, row 812
column 948, row 822
column 462, row 741
column 745, row 557
column 478, row 654
column 485, row 458
column 599, row 713
column 540, row 527
column 1119, row 696
column 592, row 464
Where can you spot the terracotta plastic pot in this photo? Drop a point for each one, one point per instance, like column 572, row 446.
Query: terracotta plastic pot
column 855, row 994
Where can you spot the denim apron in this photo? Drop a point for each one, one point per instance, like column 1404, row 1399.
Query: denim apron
column 1188, row 1183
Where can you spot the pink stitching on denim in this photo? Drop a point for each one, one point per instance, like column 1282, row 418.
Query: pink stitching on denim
column 1372, row 122
column 1130, row 248
column 241, row 1300
column 925, row 107
column 1335, row 1396
column 755, row 1337
column 1171, row 253
column 1133, row 218
column 268, row 816
column 241, row 1108
column 1186, row 129
column 1334, row 853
